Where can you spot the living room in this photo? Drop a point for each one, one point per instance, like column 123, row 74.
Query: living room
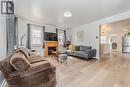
column 62, row 43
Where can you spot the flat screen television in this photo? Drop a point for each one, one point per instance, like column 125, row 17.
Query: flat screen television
column 50, row 36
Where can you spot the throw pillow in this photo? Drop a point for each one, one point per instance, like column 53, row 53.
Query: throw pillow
column 72, row 48
column 19, row 61
column 25, row 51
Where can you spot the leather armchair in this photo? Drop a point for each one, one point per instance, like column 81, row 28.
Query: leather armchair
column 40, row 74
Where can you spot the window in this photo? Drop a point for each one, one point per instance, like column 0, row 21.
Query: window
column 36, row 36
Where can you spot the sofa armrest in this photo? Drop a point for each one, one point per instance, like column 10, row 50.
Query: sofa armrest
column 39, row 70
column 14, row 75
column 91, row 53
column 13, row 78
column 35, row 68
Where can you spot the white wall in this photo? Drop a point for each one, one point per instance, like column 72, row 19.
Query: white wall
column 92, row 30
column 50, row 28
column 22, row 29
column 2, row 35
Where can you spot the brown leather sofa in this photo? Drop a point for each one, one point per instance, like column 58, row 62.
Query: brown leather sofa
column 40, row 74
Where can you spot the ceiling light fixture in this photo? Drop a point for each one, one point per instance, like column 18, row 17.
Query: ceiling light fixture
column 67, row 14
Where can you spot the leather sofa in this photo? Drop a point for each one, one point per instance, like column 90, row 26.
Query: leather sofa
column 85, row 52
column 40, row 73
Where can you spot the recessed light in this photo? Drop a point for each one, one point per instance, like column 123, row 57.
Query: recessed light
column 67, row 14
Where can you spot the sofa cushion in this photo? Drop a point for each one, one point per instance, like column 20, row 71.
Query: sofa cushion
column 25, row 51
column 81, row 54
column 84, row 48
column 35, row 68
column 19, row 61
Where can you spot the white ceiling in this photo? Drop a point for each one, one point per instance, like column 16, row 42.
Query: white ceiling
column 84, row 11
column 119, row 26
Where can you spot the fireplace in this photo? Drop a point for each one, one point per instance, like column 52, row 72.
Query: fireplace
column 51, row 49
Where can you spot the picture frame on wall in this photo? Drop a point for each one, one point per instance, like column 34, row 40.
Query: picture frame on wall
column 80, row 36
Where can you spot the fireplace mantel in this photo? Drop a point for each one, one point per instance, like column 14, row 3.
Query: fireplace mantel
column 50, row 44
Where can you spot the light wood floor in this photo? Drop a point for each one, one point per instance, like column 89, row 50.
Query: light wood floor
column 111, row 71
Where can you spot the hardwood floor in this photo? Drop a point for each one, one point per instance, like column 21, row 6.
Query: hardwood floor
column 110, row 71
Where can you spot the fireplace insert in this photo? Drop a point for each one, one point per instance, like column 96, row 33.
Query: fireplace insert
column 51, row 49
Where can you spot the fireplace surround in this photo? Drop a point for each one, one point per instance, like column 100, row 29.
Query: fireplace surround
column 50, row 46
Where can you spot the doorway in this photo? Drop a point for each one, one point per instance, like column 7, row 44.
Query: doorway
column 115, row 37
